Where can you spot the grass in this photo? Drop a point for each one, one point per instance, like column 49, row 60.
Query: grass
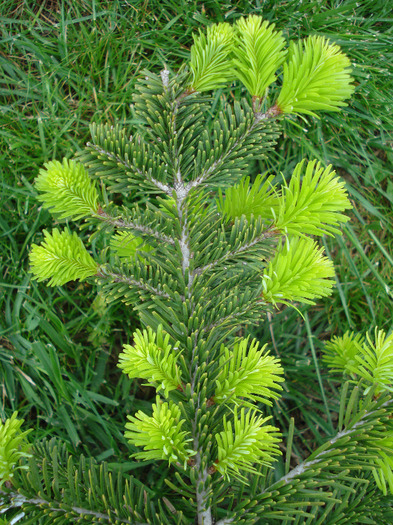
column 66, row 64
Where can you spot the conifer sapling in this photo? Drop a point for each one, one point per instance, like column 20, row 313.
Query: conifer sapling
column 195, row 280
column 206, row 251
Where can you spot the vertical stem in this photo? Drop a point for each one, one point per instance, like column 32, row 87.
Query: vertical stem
column 182, row 190
column 203, row 513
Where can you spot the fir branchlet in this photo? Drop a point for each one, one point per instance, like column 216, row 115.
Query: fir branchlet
column 153, row 358
column 245, row 441
column 208, row 63
column 247, row 372
column 298, row 272
column 316, row 77
column 124, row 244
column 363, row 358
column 67, row 189
column 259, row 54
column 13, row 447
column 312, row 204
column 62, row 258
column 161, row 434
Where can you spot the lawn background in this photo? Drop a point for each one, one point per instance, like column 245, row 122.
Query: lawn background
column 66, row 64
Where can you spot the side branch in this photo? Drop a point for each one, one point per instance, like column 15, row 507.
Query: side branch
column 128, row 225
column 303, row 467
column 158, row 184
column 238, row 251
column 118, row 278
column 207, row 173
column 233, row 315
column 17, row 500
column 300, row 469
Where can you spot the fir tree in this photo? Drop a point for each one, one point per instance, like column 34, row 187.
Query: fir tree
column 206, row 253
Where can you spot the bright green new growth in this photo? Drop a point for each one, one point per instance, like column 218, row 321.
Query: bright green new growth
column 258, row 54
column 152, row 357
column 370, row 364
column 316, row 73
column 340, row 353
column 125, row 244
column 61, row 258
column 67, row 189
column 368, row 359
column 316, row 77
column 247, row 373
column 160, row 435
column 313, row 204
column 298, row 272
column 248, row 441
column 209, row 62
column 12, row 447
column 259, row 199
